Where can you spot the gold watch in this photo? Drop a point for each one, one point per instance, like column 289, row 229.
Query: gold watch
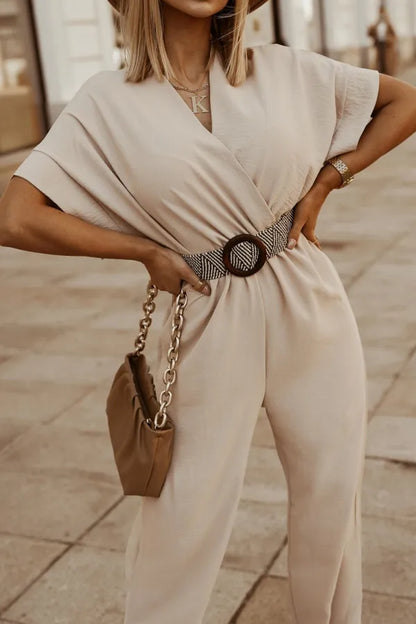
column 343, row 170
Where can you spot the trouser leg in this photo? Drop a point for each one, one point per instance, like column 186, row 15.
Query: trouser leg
column 217, row 397
column 316, row 403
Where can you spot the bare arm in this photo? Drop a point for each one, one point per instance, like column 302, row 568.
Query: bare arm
column 29, row 222
column 394, row 120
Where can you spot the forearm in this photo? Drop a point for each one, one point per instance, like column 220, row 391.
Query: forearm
column 44, row 229
column 390, row 126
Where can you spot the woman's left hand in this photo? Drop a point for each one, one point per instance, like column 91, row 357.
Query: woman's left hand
column 309, row 207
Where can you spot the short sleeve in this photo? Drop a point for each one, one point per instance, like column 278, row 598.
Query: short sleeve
column 356, row 91
column 340, row 98
column 70, row 168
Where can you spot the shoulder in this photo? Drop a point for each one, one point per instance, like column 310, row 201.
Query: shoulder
column 297, row 61
column 101, row 86
column 101, row 82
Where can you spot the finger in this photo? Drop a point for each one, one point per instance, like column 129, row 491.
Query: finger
column 295, row 231
column 311, row 236
column 309, row 231
column 199, row 284
column 202, row 286
column 315, row 241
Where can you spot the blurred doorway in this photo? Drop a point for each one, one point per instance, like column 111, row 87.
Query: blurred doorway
column 22, row 118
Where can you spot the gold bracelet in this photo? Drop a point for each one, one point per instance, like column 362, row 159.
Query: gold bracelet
column 343, row 170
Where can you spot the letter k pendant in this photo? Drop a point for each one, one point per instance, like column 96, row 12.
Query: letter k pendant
column 197, row 103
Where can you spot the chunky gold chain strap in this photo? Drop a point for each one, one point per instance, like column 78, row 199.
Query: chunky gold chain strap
column 169, row 376
column 144, row 324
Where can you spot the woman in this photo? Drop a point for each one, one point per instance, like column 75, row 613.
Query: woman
column 143, row 169
column 385, row 41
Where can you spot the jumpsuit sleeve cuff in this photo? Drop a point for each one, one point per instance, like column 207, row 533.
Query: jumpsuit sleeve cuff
column 41, row 170
column 356, row 95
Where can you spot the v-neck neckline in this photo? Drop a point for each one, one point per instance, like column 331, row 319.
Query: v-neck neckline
column 212, row 62
column 218, row 82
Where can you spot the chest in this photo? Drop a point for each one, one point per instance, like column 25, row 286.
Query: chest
column 258, row 137
column 200, row 105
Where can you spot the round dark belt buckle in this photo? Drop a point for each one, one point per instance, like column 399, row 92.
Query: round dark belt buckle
column 240, row 238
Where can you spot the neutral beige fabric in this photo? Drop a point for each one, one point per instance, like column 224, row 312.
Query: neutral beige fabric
column 135, row 158
column 285, row 338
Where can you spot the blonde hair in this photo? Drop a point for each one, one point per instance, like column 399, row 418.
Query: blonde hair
column 141, row 25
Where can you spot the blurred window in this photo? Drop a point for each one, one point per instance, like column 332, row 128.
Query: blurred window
column 21, row 106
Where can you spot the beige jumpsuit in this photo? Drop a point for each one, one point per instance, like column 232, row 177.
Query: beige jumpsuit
column 133, row 157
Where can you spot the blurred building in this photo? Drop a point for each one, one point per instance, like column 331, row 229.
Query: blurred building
column 338, row 28
column 48, row 48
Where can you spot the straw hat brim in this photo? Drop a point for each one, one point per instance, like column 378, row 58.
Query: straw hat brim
column 253, row 4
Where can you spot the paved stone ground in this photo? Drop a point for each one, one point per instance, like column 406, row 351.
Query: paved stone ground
column 65, row 324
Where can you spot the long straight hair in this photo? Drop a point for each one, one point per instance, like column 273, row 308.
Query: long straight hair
column 141, row 25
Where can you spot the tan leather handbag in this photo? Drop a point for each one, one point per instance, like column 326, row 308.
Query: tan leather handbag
column 141, row 431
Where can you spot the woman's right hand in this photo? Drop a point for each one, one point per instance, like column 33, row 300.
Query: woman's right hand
column 167, row 269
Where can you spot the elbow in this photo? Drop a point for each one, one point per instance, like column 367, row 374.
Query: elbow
column 7, row 238
column 412, row 110
column 8, row 227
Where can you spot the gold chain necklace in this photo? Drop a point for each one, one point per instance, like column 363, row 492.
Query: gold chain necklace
column 197, row 100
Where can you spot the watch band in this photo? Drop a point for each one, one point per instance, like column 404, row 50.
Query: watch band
column 343, row 170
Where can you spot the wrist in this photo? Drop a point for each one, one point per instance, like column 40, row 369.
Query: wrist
column 328, row 178
column 145, row 249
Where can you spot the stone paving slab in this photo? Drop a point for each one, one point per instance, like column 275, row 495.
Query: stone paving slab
column 280, row 565
column 259, row 531
column 23, row 559
column 377, row 387
column 409, row 371
column 14, row 310
column 392, row 437
column 87, row 341
column 76, row 588
column 264, row 480
column 384, row 361
column 44, row 506
column 378, row 609
column 383, row 328
column 59, row 368
column 87, row 586
column 17, row 338
column 112, row 531
column 389, row 555
column 87, row 414
column 57, row 450
column 271, row 604
column 31, row 402
column 263, row 435
column 230, row 589
column 401, row 398
column 389, row 489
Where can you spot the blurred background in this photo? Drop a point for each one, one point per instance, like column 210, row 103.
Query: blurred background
column 66, row 323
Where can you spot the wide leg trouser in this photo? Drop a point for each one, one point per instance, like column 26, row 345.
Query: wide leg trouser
column 285, row 338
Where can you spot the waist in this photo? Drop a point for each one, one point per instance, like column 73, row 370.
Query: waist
column 243, row 254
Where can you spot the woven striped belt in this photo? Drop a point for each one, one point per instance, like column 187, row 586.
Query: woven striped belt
column 243, row 254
